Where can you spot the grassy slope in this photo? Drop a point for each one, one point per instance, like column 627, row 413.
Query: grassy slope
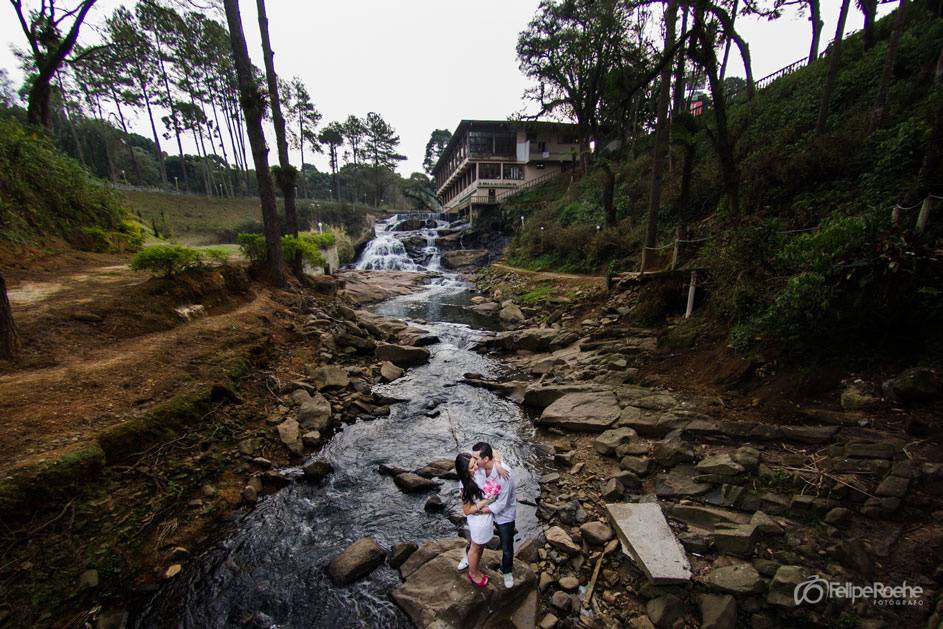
column 199, row 220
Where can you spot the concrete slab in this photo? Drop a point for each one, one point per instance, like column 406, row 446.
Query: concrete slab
column 650, row 542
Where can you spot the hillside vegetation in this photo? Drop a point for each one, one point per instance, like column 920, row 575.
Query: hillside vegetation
column 45, row 193
column 813, row 261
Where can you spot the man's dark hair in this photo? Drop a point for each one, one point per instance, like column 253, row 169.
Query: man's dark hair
column 483, row 449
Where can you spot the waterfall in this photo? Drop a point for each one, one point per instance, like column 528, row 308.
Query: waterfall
column 404, row 242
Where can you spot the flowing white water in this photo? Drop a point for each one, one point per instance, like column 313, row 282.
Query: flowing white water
column 388, row 250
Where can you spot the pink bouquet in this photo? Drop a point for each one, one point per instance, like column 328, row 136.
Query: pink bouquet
column 491, row 489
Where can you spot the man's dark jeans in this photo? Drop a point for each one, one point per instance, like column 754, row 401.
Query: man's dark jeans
column 506, row 533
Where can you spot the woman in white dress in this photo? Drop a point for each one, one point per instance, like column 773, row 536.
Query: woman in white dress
column 475, row 506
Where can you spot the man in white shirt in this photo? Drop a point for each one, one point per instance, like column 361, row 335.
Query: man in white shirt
column 504, row 507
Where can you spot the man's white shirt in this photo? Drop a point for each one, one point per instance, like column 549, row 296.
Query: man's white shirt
column 504, row 507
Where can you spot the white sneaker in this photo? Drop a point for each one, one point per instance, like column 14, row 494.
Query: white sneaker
column 509, row 580
column 462, row 564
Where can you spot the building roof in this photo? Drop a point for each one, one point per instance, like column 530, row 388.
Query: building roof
column 465, row 125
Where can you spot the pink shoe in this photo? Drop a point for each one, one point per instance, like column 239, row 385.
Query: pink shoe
column 479, row 584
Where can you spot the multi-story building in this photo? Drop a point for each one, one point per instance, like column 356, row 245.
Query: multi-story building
column 487, row 160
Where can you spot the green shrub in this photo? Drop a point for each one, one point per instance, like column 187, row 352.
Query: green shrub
column 167, row 260
column 345, row 248
column 252, row 247
column 324, row 240
column 307, row 246
column 130, row 238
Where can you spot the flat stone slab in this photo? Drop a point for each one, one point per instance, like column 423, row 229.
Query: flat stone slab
column 581, row 412
column 650, row 542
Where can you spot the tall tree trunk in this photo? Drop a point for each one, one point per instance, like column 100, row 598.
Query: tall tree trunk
column 222, row 145
column 127, row 136
column 661, row 137
column 337, row 192
column 733, row 19
column 930, row 178
column 834, row 59
column 887, row 72
column 67, row 114
column 684, row 197
column 207, row 189
column 287, row 175
column 157, row 149
column 253, row 106
column 227, row 117
column 721, row 136
column 678, row 96
column 173, row 113
column 104, row 138
column 815, row 18
column 9, row 339
column 608, row 192
column 870, row 9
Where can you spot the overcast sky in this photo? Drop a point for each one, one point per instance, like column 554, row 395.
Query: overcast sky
column 426, row 64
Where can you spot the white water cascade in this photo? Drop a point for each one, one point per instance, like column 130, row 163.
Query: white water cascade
column 404, row 242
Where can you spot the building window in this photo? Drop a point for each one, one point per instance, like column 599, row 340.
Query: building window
column 505, row 143
column 489, row 171
column 480, row 142
column 513, row 171
column 541, row 147
column 568, row 139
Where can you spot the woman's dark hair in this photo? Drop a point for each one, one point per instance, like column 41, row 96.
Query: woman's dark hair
column 470, row 489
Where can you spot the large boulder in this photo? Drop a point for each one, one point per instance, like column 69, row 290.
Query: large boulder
column 608, row 442
column 402, row 355
column 434, row 594
column 358, row 560
column 582, row 412
column 918, row 384
column 464, row 258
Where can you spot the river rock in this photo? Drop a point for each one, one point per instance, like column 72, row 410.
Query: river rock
column 855, row 398
column 581, row 412
column 735, row 579
column 783, row 586
column 329, row 377
column 569, row 583
column 315, row 413
column 402, row 355
column 438, row 468
column 511, row 314
column 914, row 385
column 608, row 442
column 718, row 611
column 434, row 594
column 596, row 533
column 561, row 540
column 358, row 560
column 722, row 464
column 315, row 471
column 665, row 611
column 289, row 434
column 400, row 553
column 390, row 372
column 410, row 483
column 542, row 396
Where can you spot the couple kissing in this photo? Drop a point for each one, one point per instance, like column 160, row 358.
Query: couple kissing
column 487, row 491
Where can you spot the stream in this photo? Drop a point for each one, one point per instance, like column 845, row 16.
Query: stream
column 268, row 569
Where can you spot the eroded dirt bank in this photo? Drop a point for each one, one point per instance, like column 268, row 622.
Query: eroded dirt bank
column 160, row 410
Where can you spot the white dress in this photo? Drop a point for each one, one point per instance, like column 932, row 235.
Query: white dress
column 480, row 527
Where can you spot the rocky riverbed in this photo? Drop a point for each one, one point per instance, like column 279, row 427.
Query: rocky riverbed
column 759, row 506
